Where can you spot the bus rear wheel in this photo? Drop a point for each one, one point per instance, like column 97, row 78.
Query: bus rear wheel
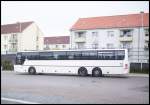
column 31, row 70
column 96, row 72
column 82, row 71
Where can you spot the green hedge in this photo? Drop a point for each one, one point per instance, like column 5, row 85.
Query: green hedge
column 145, row 71
column 139, row 67
column 7, row 65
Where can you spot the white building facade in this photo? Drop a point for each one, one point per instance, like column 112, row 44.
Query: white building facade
column 57, row 43
column 124, row 31
column 24, row 36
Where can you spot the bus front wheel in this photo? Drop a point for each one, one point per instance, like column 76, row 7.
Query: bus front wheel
column 96, row 72
column 82, row 71
column 32, row 70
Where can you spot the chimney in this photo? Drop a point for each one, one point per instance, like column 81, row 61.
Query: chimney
column 142, row 12
column 19, row 24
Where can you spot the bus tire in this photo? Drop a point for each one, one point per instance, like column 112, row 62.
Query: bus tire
column 82, row 71
column 97, row 72
column 32, row 70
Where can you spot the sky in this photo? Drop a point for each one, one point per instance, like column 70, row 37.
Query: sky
column 55, row 18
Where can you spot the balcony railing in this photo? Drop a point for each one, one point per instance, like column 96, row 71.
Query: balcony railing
column 125, row 38
column 13, row 50
column 13, row 40
column 146, row 46
column 80, row 39
column 147, row 38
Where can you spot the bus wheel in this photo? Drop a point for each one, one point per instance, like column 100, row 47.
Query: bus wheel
column 96, row 72
column 31, row 70
column 82, row 71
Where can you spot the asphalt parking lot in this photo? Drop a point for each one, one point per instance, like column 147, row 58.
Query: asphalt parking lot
column 65, row 89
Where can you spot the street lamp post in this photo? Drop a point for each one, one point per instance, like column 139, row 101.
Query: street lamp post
column 142, row 31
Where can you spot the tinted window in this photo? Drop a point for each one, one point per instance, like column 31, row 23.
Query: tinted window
column 46, row 56
column 73, row 55
column 120, row 54
column 60, row 55
column 89, row 55
column 30, row 55
column 106, row 55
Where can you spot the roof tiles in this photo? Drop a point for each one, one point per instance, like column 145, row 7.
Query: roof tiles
column 118, row 21
column 14, row 28
column 57, row 40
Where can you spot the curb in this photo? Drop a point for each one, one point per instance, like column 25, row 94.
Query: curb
column 139, row 75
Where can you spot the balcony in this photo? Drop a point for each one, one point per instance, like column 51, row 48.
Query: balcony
column 13, row 41
column 126, row 39
column 80, row 39
column 146, row 46
column 147, row 38
column 13, row 50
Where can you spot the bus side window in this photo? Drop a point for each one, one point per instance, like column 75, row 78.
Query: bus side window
column 45, row 56
column 60, row 55
column 70, row 55
column 100, row 56
column 73, row 55
column 89, row 55
column 85, row 55
column 77, row 55
column 106, row 55
column 120, row 55
column 93, row 55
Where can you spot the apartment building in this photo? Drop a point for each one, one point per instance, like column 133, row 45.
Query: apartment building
column 129, row 31
column 20, row 36
column 57, row 43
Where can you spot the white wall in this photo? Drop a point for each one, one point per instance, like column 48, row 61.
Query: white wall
column 60, row 46
column 6, row 42
column 28, row 38
column 102, row 38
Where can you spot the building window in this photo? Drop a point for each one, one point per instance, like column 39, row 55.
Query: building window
column 5, row 47
column 110, row 45
column 46, row 47
column 80, row 34
column 14, row 36
column 146, row 32
column 37, row 38
column 80, row 45
column 13, row 47
column 37, row 47
column 5, row 37
column 126, row 33
column 56, row 46
column 63, row 46
column 95, row 34
column 126, row 45
column 110, row 33
column 95, row 46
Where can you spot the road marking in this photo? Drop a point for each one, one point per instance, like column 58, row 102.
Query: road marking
column 16, row 100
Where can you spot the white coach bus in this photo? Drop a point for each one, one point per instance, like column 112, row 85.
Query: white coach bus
column 95, row 62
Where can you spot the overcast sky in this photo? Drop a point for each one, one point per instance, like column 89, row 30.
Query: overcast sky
column 55, row 18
